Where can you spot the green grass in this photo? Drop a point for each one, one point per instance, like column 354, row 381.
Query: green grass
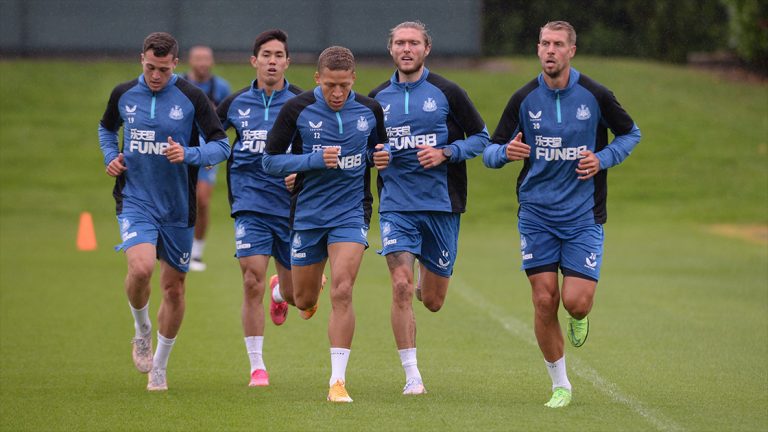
column 679, row 331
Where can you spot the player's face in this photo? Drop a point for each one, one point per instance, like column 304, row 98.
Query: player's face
column 335, row 85
column 271, row 63
column 201, row 62
column 409, row 49
column 555, row 52
column 157, row 70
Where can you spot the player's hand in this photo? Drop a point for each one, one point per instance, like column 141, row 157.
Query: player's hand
column 589, row 165
column 290, row 182
column 117, row 166
column 174, row 152
column 517, row 149
column 331, row 157
column 380, row 157
column 430, row 157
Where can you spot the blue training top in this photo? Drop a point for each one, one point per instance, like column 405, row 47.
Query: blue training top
column 325, row 197
column 558, row 125
column 436, row 112
column 252, row 113
column 180, row 111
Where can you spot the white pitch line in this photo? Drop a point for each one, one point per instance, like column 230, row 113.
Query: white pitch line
column 524, row 332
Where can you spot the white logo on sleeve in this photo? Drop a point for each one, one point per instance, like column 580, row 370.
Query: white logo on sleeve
column 429, row 105
column 176, row 113
column 582, row 112
column 362, row 124
column 591, row 261
column 386, row 111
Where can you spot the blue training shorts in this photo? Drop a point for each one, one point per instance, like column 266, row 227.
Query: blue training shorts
column 173, row 244
column 311, row 246
column 208, row 175
column 577, row 249
column 263, row 234
column 432, row 236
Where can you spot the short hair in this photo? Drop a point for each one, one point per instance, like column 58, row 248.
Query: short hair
column 336, row 58
column 161, row 44
column 560, row 26
column 270, row 35
column 418, row 25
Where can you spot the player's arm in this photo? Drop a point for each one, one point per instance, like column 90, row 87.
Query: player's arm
column 216, row 144
column 378, row 152
column 626, row 133
column 283, row 134
column 495, row 154
column 468, row 118
column 108, row 134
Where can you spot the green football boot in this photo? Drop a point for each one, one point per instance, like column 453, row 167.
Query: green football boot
column 578, row 330
column 561, row 397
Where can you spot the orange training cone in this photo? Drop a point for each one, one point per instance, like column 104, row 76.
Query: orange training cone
column 86, row 235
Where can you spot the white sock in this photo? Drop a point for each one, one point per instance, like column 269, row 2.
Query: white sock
column 163, row 350
column 253, row 345
column 408, row 360
column 276, row 296
column 557, row 373
column 141, row 321
column 197, row 248
column 339, row 359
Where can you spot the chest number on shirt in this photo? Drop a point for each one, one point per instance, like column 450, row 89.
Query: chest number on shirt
column 130, row 119
column 536, row 125
column 317, row 135
column 244, row 123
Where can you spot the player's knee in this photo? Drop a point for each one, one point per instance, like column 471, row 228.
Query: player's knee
column 252, row 283
column 433, row 304
column 173, row 292
column 304, row 302
column 579, row 307
column 546, row 303
column 341, row 294
column 402, row 291
column 141, row 271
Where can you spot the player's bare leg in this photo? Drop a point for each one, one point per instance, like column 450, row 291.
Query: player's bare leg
column 286, row 283
column 254, row 270
column 578, row 297
column 434, row 288
column 403, row 319
column 204, row 193
column 141, row 265
column 345, row 259
column 307, row 281
column 401, row 314
column 169, row 320
column 545, row 293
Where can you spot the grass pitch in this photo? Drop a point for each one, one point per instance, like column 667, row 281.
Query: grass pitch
column 679, row 331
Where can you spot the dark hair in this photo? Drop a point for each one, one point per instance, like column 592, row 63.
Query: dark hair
column 161, row 44
column 336, row 58
column 418, row 25
column 270, row 35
